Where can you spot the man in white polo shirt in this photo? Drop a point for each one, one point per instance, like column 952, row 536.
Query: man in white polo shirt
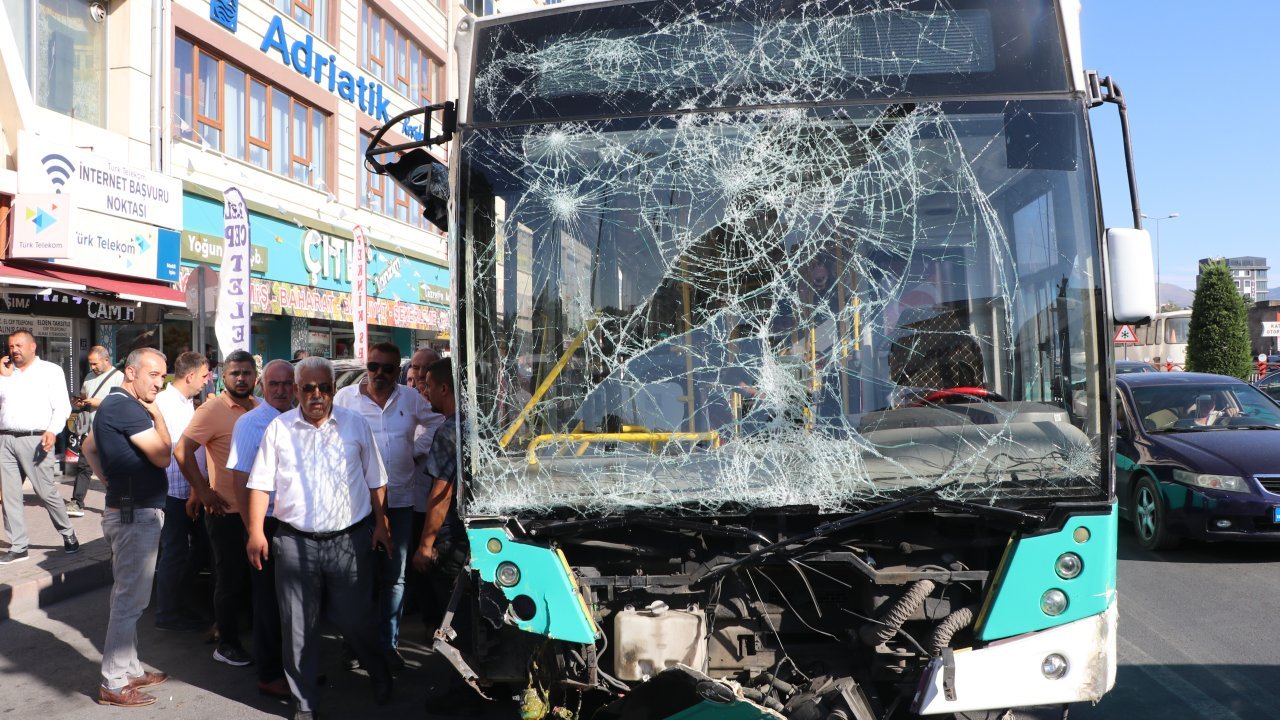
column 330, row 505
column 394, row 413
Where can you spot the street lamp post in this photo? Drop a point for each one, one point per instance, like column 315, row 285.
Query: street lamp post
column 1170, row 216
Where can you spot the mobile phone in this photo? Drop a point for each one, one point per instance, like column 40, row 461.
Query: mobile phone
column 126, row 510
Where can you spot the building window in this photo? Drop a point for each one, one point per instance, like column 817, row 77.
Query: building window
column 246, row 117
column 310, row 14
column 391, row 56
column 64, row 50
column 382, row 195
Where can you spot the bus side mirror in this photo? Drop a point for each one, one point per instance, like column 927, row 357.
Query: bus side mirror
column 1131, row 276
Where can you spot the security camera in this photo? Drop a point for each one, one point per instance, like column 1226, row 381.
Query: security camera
column 97, row 11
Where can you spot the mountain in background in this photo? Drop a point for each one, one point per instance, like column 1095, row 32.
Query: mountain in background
column 1181, row 297
column 1273, row 294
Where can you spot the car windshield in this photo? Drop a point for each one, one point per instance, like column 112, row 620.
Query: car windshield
column 1204, row 406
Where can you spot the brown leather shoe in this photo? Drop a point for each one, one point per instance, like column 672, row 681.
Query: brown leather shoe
column 147, row 679
column 125, row 697
column 276, row 688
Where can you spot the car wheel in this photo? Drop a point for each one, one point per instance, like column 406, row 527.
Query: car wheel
column 1149, row 521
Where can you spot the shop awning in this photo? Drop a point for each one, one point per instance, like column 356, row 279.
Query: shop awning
column 29, row 278
column 135, row 290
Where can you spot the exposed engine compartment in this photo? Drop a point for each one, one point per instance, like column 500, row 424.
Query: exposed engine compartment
column 832, row 622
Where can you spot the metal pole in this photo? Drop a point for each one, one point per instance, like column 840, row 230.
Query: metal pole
column 1170, row 216
column 199, row 273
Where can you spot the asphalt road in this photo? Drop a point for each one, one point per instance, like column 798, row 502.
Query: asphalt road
column 1199, row 640
column 1199, row 634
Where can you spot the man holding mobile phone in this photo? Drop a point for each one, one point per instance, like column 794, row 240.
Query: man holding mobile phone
column 33, row 410
column 129, row 449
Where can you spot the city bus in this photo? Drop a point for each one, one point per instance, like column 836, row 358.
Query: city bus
column 781, row 342
column 1162, row 342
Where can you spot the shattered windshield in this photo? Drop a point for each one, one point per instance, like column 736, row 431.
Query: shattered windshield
column 777, row 306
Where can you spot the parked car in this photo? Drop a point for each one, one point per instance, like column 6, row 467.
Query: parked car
column 1126, row 367
column 1197, row 456
column 1269, row 384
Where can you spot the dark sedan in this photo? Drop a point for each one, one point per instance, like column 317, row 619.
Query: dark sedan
column 1128, row 367
column 1270, row 384
column 1197, row 456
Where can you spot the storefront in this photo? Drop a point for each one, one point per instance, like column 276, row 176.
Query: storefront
column 300, row 290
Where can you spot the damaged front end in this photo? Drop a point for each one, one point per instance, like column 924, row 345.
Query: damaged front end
column 917, row 606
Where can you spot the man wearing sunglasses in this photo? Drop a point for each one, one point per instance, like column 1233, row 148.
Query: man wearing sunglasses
column 330, row 507
column 395, row 413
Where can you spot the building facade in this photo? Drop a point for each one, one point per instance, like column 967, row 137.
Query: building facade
column 122, row 123
column 1249, row 274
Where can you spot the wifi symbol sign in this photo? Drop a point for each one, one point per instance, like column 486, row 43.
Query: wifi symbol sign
column 59, row 169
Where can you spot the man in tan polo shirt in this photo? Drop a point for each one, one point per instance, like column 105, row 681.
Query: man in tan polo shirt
column 211, row 428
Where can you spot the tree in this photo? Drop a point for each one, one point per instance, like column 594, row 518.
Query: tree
column 1218, row 340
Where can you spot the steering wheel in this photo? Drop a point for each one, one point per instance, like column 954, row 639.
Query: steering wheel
column 954, row 395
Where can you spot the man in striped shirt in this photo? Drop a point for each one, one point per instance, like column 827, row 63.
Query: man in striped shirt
column 277, row 397
column 175, row 570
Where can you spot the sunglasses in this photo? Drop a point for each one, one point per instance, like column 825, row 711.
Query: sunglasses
column 324, row 388
column 374, row 367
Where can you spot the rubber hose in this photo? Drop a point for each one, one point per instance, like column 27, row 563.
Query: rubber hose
column 904, row 607
column 950, row 625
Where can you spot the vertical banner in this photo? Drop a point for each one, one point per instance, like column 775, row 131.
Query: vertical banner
column 232, row 323
column 359, row 294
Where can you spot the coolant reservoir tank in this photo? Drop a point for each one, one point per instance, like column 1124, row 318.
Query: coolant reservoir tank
column 654, row 638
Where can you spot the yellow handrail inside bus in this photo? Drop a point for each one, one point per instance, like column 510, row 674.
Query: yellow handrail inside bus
column 545, row 385
column 653, row 438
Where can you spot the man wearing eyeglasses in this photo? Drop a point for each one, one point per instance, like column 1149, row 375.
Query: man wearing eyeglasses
column 322, row 463
column 395, row 413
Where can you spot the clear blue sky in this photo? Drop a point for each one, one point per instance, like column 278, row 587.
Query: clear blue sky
column 1202, row 81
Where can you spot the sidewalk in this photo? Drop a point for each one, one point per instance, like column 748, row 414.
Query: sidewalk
column 51, row 575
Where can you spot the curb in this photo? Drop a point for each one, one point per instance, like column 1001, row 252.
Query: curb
column 55, row 586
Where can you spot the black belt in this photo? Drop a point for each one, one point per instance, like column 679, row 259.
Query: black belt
column 326, row 535
column 22, row 433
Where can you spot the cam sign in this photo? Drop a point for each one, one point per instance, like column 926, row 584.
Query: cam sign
column 92, row 182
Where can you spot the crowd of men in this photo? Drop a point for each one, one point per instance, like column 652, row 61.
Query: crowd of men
column 308, row 501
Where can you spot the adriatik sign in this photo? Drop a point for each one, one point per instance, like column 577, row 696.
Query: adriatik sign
column 323, row 70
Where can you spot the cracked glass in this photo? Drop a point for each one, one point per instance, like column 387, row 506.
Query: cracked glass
column 724, row 257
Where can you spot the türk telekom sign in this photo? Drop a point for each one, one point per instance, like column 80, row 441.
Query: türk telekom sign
column 95, row 183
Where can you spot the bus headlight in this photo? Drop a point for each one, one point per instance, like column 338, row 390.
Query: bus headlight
column 1228, row 483
column 507, row 574
column 1069, row 565
column 1053, row 602
column 1054, row 666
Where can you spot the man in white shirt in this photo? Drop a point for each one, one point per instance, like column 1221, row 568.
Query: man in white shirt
column 323, row 465
column 277, row 397
column 34, row 408
column 394, row 413
column 102, row 377
column 181, row 511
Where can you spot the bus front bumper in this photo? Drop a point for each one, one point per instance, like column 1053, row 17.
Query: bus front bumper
column 1010, row 673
